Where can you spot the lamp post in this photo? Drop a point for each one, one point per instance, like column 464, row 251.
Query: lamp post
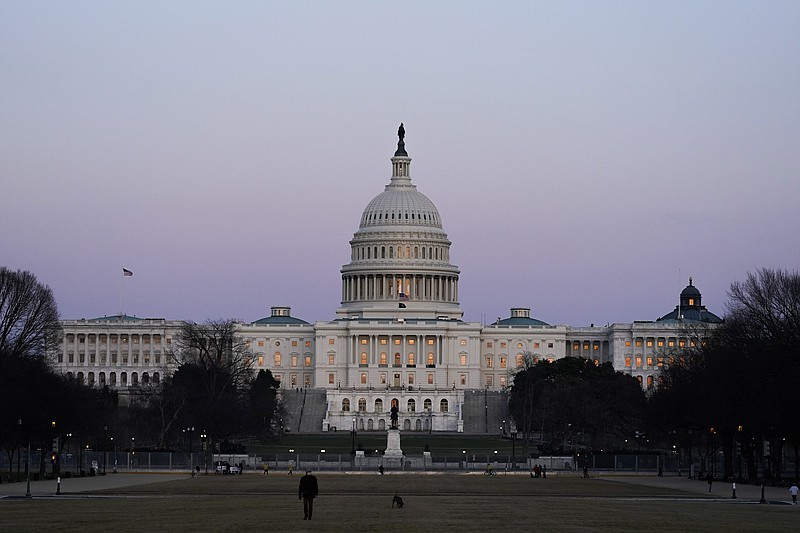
column 190, row 430
column 27, row 461
column 464, row 453
column 353, row 435
column 513, row 448
column 203, row 437
column 105, row 447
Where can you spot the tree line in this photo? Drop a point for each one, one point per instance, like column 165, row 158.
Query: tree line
column 731, row 390
column 213, row 390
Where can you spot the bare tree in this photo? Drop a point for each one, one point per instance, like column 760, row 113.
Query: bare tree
column 214, row 370
column 28, row 315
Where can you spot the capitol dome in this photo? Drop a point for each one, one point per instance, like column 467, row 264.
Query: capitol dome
column 400, row 255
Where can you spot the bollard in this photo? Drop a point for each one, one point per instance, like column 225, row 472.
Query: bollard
column 58, row 485
column 733, row 497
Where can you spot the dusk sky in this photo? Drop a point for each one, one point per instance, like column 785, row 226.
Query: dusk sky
column 586, row 157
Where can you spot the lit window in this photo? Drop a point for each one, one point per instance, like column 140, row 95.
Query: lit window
column 308, row 344
column 383, row 358
column 331, row 379
column 596, row 346
column 638, row 342
column 627, row 343
column 294, row 343
column 649, row 344
column 363, row 378
column 411, row 378
column 430, row 358
column 463, row 358
column 260, row 360
column 489, row 361
column 308, row 360
column 638, row 362
column 330, row 341
column 488, row 344
column 519, row 360
column 576, row 345
column 519, row 345
column 383, row 341
column 502, row 362
column 383, row 378
column 490, row 381
column 397, row 359
column 536, row 345
column 682, row 343
column 691, row 301
column 430, row 342
column 397, row 341
column 363, row 358
column 502, row 381
column 671, row 343
column 277, row 358
column 660, row 344
column 649, row 361
column 628, row 362
column 331, row 359
column 363, row 341
column 261, row 343
column 463, row 342
column 502, row 345
column 463, row 379
column 411, row 341
column 412, row 359
column 430, row 379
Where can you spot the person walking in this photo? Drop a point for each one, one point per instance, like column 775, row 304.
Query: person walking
column 793, row 492
column 266, row 468
column 710, row 479
column 307, row 492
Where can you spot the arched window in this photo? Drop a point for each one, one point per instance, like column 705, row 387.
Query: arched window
column 134, row 378
column 443, row 406
column 363, row 378
column 362, row 405
column 407, row 424
column 277, row 358
column 370, row 425
column 91, row 378
column 383, row 358
column 381, row 424
column 412, row 405
column 412, row 360
column 649, row 381
column 430, row 359
column 378, row 405
column 145, row 378
column 418, row 425
column 397, row 359
column 156, row 377
column 363, row 360
column 426, row 404
column 346, row 404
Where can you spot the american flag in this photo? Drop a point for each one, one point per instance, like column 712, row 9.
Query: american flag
column 126, row 272
column 403, row 297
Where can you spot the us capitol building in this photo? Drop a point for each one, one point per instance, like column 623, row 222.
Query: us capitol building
column 398, row 337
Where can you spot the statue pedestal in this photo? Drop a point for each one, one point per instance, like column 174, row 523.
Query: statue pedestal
column 393, row 456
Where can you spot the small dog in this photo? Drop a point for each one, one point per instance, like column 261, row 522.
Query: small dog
column 397, row 500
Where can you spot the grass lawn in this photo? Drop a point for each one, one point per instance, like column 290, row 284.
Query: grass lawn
column 353, row 502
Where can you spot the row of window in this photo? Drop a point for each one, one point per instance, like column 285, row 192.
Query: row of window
column 411, row 405
column 661, row 342
column 115, row 358
column 504, row 345
column 114, row 338
column 294, row 360
column 278, row 343
column 112, row 378
column 407, row 252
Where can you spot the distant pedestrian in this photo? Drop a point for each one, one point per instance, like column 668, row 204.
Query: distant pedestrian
column 793, row 492
column 544, row 472
column 266, row 468
column 710, row 480
column 307, row 492
column 380, row 470
column 585, row 472
column 660, row 471
column 291, row 467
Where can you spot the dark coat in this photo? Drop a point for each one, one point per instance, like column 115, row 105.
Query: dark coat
column 308, row 486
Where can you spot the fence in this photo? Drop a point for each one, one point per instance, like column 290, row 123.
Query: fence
column 109, row 462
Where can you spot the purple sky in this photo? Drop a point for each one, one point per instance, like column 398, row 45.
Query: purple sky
column 586, row 157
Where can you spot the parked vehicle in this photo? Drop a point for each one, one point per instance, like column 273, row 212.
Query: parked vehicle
column 222, row 467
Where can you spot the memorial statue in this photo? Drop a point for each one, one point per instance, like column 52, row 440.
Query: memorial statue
column 393, row 414
column 401, row 132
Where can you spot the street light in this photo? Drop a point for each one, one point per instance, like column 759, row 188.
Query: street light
column 204, row 437
column 513, row 447
column 105, row 447
column 353, row 435
column 27, row 462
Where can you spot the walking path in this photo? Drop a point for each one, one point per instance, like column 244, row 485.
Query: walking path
column 74, row 485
